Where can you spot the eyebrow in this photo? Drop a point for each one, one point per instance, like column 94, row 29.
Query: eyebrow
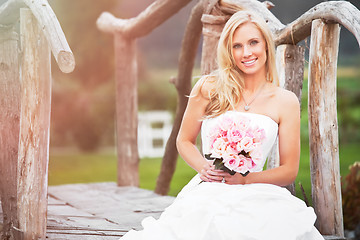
column 251, row 39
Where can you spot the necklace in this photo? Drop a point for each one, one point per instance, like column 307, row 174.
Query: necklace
column 247, row 105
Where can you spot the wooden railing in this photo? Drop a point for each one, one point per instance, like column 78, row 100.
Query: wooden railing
column 25, row 102
column 321, row 23
column 25, row 92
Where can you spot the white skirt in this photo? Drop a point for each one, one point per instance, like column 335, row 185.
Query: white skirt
column 218, row 211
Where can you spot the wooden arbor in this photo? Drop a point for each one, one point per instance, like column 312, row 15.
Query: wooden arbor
column 25, row 102
column 208, row 16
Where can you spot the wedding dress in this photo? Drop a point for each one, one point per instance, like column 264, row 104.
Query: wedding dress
column 218, row 211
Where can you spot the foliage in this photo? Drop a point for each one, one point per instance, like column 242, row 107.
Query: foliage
column 84, row 119
column 83, row 101
column 351, row 197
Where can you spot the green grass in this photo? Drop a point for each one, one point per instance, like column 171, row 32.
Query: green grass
column 83, row 168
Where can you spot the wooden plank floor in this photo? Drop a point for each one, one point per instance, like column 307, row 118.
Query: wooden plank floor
column 99, row 210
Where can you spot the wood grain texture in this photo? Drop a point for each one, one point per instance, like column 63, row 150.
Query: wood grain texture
column 323, row 128
column 9, row 128
column 126, row 110
column 46, row 18
column 99, row 210
column 182, row 83
column 34, row 128
column 153, row 16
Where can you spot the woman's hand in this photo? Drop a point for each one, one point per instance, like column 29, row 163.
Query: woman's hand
column 210, row 174
column 237, row 178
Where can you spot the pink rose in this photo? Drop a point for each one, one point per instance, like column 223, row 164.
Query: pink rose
column 245, row 164
column 231, row 162
column 221, row 148
column 246, row 144
column 242, row 123
column 234, row 135
column 259, row 134
column 226, row 123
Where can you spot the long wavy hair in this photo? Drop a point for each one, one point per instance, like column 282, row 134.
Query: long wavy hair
column 228, row 80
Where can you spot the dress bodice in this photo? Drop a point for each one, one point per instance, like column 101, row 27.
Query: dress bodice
column 267, row 124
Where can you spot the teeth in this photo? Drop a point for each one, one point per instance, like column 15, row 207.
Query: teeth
column 250, row 62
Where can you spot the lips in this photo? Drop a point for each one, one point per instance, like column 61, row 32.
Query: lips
column 249, row 63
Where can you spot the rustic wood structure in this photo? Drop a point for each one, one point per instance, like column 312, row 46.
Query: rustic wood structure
column 25, row 99
column 100, row 211
column 320, row 23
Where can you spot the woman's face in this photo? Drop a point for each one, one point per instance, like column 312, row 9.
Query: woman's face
column 249, row 49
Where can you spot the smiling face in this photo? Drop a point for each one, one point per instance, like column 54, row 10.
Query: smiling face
column 249, row 49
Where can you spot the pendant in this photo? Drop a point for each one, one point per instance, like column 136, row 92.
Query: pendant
column 247, row 108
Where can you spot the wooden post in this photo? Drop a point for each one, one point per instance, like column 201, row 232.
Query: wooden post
column 34, row 129
column 212, row 28
column 290, row 67
column 323, row 128
column 9, row 129
column 182, row 83
column 126, row 110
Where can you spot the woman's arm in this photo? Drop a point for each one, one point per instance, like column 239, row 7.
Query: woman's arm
column 289, row 146
column 191, row 125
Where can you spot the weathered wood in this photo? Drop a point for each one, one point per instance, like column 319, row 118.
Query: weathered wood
column 9, row 128
column 229, row 7
column 9, row 14
column 212, row 28
column 55, row 36
column 290, row 63
column 34, row 128
column 183, row 86
column 154, row 15
column 323, row 128
column 99, row 210
column 342, row 12
column 290, row 66
column 126, row 110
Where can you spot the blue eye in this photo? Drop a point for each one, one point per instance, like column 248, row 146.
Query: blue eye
column 254, row 42
column 237, row 46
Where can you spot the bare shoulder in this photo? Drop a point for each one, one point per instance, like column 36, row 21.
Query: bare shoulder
column 204, row 87
column 287, row 101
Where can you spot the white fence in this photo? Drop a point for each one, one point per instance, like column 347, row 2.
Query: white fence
column 154, row 128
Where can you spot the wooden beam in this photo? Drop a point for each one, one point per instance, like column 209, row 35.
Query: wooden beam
column 141, row 25
column 182, row 83
column 323, row 128
column 342, row 12
column 53, row 33
column 126, row 110
column 9, row 129
column 10, row 13
column 34, row 129
column 229, row 7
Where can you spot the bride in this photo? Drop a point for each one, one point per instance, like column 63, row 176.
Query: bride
column 240, row 110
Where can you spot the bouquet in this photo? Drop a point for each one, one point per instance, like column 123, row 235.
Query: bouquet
column 235, row 145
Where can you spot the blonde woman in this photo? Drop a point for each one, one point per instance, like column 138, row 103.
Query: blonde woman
column 240, row 111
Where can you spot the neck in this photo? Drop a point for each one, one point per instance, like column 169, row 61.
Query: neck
column 253, row 84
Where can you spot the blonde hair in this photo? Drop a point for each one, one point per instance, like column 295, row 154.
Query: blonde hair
column 228, row 82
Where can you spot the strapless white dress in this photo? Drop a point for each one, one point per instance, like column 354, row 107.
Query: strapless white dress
column 218, row 211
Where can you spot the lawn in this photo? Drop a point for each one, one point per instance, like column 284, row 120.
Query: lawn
column 77, row 167
column 101, row 167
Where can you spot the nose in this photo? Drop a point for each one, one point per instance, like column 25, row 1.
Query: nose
column 247, row 51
